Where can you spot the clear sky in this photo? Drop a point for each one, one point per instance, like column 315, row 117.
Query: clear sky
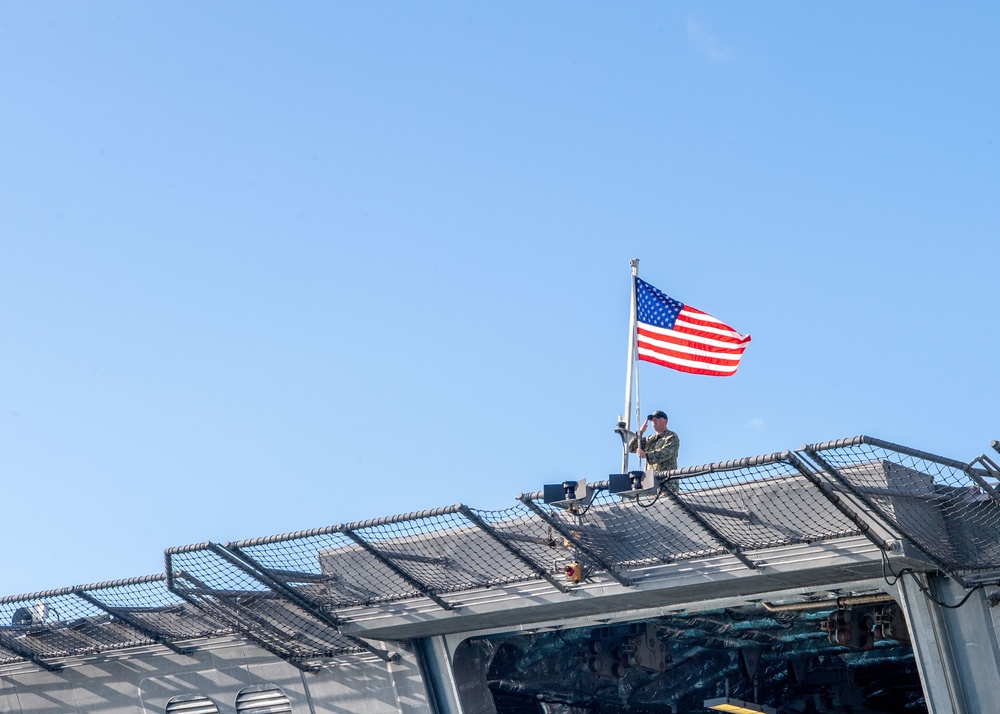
column 274, row 266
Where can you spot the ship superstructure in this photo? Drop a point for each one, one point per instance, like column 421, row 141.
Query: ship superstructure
column 855, row 575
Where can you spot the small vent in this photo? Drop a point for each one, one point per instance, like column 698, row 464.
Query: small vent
column 262, row 700
column 192, row 704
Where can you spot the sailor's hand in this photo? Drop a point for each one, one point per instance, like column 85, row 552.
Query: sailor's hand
column 642, row 429
column 642, row 454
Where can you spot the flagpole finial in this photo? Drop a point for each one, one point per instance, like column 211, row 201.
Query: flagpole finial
column 634, row 263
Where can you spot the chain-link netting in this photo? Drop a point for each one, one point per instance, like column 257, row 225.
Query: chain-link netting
column 8, row 657
column 630, row 532
column 432, row 553
column 934, row 502
column 530, row 535
column 230, row 594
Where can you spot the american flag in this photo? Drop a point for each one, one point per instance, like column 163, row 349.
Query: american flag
column 676, row 335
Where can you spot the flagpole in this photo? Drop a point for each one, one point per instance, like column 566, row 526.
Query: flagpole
column 634, row 264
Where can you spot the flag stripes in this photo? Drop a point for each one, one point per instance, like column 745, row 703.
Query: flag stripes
column 675, row 335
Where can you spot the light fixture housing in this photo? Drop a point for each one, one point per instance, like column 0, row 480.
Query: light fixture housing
column 737, row 706
column 568, row 494
column 632, row 484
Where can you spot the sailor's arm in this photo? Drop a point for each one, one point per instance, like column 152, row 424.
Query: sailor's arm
column 637, row 443
column 664, row 451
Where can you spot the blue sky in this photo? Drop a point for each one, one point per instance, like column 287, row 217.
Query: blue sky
column 273, row 266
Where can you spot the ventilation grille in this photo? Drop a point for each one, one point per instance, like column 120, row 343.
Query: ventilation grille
column 196, row 704
column 262, row 701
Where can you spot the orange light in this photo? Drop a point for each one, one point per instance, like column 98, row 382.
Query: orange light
column 737, row 706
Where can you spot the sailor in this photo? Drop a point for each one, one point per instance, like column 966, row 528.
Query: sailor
column 660, row 449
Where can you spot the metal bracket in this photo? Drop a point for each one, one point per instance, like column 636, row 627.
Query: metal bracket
column 990, row 466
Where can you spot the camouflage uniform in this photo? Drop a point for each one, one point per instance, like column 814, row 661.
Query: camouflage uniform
column 661, row 450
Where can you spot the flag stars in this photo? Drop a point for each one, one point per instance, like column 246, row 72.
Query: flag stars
column 654, row 307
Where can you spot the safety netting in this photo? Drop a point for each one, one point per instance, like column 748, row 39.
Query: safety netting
column 730, row 507
column 292, row 593
column 97, row 618
column 230, row 592
column 430, row 554
column 947, row 509
column 148, row 604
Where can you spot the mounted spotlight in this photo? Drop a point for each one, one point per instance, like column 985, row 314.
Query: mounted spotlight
column 737, row 706
column 632, row 484
column 568, row 494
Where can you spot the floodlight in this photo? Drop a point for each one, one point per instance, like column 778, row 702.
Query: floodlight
column 631, row 484
column 567, row 494
column 737, row 706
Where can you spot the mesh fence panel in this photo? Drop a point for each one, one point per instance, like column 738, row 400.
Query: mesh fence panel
column 522, row 529
column 445, row 551
column 619, row 533
column 762, row 502
column 738, row 505
column 60, row 624
column 328, row 568
column 152, row 605
column 437, row 552
column 283, row 591
column 930, row 500
column 233, row 596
